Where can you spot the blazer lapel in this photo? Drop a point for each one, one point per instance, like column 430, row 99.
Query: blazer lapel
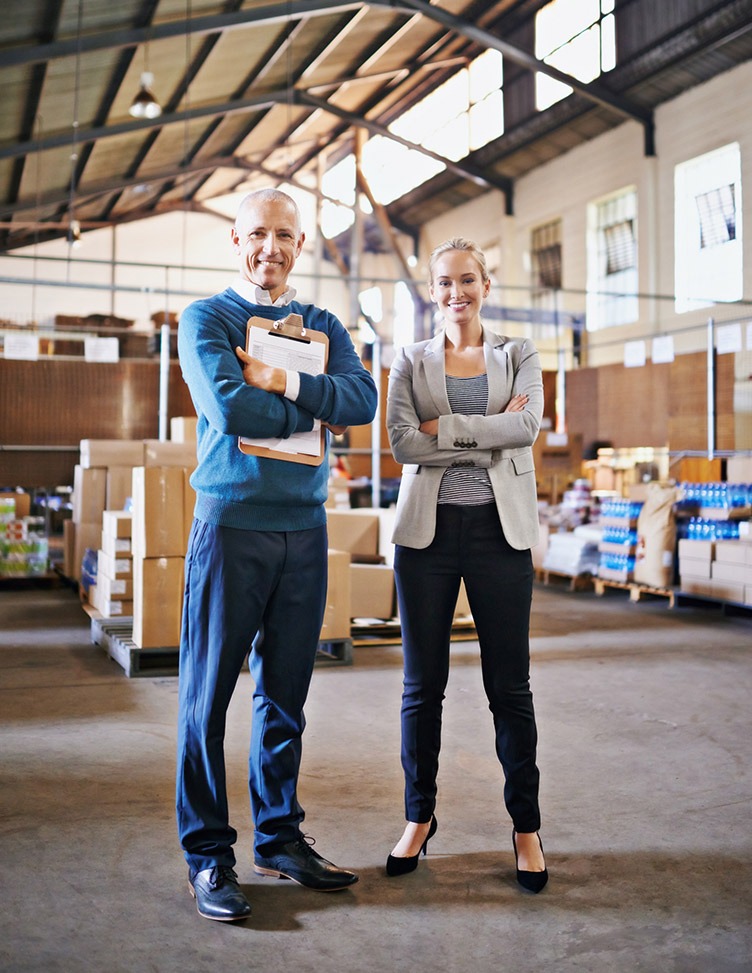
column 433, row 363
column 496, row 368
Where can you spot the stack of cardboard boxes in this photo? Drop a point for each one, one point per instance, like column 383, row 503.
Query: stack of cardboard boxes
column 140, row 551
column 159, row 545
column 112, row 595
column 720, row 569
column 358, row 533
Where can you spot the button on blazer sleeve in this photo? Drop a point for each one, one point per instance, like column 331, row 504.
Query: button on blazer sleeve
column 408, row 404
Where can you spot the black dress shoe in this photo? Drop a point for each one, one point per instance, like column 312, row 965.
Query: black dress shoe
column 218, row 894
column 296, row 860
column 530, row 881
column 402, row 866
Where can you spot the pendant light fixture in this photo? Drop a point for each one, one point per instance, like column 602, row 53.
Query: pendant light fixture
column 145, row 105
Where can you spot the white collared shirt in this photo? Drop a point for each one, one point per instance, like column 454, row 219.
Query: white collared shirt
column 257, row 295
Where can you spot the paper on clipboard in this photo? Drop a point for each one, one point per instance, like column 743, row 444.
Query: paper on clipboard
column 282, row 346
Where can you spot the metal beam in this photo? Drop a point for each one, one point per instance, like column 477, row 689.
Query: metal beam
column 63, row 139
column 467, row 172
column 592, row 91
column 195, row 26
column 390, row 235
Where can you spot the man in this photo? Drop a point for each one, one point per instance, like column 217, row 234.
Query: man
column 256, row 561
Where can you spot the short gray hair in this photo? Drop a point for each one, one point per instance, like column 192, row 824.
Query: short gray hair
column 269, row 196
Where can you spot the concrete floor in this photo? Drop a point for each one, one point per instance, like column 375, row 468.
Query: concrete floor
column 644, row 717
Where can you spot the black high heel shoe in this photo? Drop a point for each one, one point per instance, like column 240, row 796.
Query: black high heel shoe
column 530, row 881
column 401, row 866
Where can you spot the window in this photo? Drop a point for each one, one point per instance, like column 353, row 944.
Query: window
column 612, row 261
column 461, row 115
column 577, row 37
column 545, row 269
column 545, row 251
column 717, row 212
column 708, row 229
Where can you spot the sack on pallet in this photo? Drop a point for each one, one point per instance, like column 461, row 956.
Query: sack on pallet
column 656, row 538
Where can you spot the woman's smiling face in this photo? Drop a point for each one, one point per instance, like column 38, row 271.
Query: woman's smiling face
column 458, row 287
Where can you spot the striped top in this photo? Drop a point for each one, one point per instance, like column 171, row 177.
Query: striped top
column 466, row 485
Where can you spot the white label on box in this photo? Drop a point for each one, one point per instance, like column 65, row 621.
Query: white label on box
column 102, row 350
column 729, row 338
column 663, row 349
column 635, row 354
column 21, row 346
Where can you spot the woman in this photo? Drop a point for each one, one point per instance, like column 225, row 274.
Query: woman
column 463, row 412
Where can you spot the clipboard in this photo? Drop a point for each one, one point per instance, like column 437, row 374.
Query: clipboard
column 294, row 341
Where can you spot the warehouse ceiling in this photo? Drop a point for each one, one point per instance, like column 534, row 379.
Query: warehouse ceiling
column 271, row 92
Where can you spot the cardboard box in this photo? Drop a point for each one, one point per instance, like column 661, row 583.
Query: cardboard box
column 114, row 589
column 118, row 493
column 114, row 566
column 462, row 608
column 115, row 546
column 696, row 586
column 371, row 591
column 117, row 523
column 183, row 429
column 158, row 453
column 387, row 516
column 697, row 549
column 89, row 493
column 728, row 571
column 22, row 502
column 694, row 567
column 739, row 469
column 727, row 591
column 87, row 536
column 337, row 614
column 69, row 548
column 158, row 525
column 112, row 452
column 157, row 601
column 354, row 531
column 189, row 505
column 736, row 552
column 112, row 607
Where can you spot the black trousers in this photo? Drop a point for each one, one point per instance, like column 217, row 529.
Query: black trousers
column 469, row 544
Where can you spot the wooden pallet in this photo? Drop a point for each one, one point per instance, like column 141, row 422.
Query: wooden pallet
column 115, row 636
column 389, row 632
column 577, row 582
column 636, row 591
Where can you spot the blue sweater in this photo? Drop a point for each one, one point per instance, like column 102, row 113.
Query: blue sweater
column 249, row 492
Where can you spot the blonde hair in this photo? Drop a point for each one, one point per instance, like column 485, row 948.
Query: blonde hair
column 459, row 243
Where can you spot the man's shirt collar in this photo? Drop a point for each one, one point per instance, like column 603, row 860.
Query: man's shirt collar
column 257, row 295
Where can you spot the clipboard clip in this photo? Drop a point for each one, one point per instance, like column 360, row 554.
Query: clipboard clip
column 291, row 326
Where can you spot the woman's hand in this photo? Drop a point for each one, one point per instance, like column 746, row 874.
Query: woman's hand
column 262, row 376
column 517, row 403
column 430, row 427
column 337, row 430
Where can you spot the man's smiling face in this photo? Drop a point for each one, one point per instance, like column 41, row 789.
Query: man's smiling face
column 268, row 239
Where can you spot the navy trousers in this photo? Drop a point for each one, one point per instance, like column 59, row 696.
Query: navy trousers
column 469, row 544
column 264, row 592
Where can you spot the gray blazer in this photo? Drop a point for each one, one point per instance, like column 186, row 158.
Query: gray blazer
column 500, row 442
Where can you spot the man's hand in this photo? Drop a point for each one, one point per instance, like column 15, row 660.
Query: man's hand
column 262, row 376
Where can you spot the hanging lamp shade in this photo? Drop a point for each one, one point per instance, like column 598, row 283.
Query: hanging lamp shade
column 145, row 105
